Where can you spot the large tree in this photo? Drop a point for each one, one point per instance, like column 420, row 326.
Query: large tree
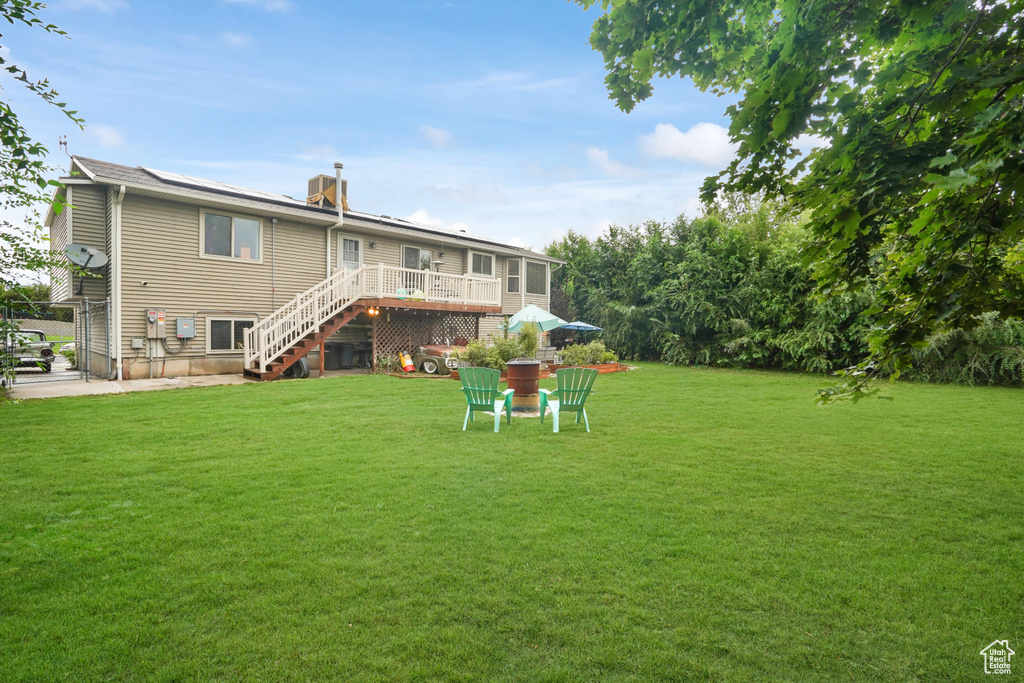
column 24, row 174
column 916, row 187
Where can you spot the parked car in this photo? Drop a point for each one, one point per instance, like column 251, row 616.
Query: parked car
column 435, row 359
column 29, row 348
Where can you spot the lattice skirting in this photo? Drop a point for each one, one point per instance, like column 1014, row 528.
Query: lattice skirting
column 404, row 331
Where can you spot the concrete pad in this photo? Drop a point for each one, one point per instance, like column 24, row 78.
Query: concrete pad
column 151, row 384
column 62, row 389
column 96, row 387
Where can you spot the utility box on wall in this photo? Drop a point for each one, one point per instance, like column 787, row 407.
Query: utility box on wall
column 186, row 328
column 156, row 323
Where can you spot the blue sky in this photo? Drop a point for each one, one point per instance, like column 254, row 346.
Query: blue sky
column 484, row 115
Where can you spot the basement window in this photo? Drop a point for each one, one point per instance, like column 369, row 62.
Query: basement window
column 227, row 335
column 234, row 237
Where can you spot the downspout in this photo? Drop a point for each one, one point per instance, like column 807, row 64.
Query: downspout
column 273, row 264
column 115, row 276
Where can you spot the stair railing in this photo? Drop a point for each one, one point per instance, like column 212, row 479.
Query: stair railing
column 271, row 337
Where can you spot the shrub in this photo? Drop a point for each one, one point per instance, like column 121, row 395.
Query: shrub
column 387, row 364
column 990, row 353
column 70, row 355
column 495, row 355
column 527, row 339
column 587, row 354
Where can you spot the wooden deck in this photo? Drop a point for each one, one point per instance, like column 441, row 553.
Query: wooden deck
column 409, row 304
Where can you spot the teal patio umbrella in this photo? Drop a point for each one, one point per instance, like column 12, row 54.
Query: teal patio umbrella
column 538, row 316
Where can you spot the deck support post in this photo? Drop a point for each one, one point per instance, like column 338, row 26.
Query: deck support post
column 373, row 345
column 321, row 359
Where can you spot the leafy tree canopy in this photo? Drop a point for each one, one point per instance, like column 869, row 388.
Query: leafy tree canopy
column 916, row 187
column 23, row 169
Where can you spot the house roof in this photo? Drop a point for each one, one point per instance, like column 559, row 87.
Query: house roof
column 197, row 190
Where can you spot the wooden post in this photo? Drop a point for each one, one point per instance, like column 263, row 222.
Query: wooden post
column 321, row 359
column 373, row 344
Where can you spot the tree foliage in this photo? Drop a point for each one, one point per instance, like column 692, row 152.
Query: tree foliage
column 915, row 191
column 725, row 289
column 23, row 170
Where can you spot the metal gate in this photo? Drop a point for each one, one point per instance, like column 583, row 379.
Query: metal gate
column 78, row 333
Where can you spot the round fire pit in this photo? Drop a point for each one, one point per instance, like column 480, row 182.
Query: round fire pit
column 524, row 377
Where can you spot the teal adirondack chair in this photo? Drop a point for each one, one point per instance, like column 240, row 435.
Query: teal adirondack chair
column 574, row 385
column 480, row 385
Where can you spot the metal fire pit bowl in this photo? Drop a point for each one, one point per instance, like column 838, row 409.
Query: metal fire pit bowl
column 524, row 377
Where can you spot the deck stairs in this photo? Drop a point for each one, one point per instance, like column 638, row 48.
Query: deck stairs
column 279, row 340
column 302, row 348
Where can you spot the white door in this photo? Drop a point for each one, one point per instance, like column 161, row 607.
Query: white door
column 350, row 252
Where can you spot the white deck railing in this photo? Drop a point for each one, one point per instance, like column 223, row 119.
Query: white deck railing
column 425, row 285
column 282, row 329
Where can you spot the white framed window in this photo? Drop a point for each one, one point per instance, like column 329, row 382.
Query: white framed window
column 350, row 252
column 536, row 278
column 513, row 275
column 481, row 264
column 416, row 258
column 227, row 335
column 230, row 236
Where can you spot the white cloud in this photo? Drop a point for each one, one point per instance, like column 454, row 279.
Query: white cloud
column 320, row 154
column 105, row 136
column 521, row 243
column 423, row 216
column 235, row 39
column 439, row 138
column 466, row 193
column 806, row 142
column 599, row 157
column 704, row 143
column 269, row 5
column 515, row 80
column 534, row 168
column 99, row 5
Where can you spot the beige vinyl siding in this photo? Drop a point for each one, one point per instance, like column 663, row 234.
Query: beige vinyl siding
column 513, row 302
column 491, row 324
column 388, row 250
column 108, row 230
column 60, row 280
column 160, row 246
column 88, row 227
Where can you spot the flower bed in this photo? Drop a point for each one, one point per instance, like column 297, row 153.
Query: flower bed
column 602, row 368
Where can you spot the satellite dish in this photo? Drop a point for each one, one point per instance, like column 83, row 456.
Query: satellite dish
column 89, row 258
column 86, row 257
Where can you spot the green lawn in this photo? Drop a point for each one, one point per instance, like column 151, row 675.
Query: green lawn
column 714, row 525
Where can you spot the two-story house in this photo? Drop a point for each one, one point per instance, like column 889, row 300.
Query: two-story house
column 205, row 277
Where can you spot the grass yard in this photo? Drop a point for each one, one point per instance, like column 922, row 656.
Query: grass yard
column 714, row 525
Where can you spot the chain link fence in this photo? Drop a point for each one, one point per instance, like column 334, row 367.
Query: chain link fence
column 49, row 341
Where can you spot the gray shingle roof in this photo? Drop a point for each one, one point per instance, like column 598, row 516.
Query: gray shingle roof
column 142, row 177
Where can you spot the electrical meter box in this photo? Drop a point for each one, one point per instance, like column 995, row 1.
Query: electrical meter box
column 186, row 328
column 156, row 323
